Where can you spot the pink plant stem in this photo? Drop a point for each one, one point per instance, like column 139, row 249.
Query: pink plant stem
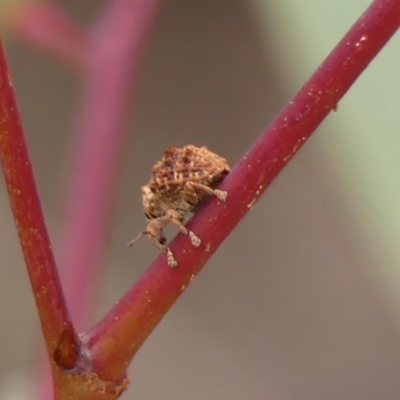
column 28, row 216
column 110, row 71
column 114, row 341
column 44, row 24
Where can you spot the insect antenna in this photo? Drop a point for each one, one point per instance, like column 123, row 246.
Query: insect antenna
column 132, row 242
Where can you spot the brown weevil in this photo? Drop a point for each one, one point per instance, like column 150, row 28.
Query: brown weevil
column 180, row 183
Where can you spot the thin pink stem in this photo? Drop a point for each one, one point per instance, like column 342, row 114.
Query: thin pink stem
column 115, row 340
column 45, row 25
column 111, row 70
column 54, row 318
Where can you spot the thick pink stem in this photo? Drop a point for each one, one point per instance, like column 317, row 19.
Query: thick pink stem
column 114, row 341
column 28, row 216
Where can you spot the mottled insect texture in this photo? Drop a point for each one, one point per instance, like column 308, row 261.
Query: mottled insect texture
column 180, row 183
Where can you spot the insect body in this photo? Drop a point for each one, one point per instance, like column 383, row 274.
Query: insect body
column 180, row 183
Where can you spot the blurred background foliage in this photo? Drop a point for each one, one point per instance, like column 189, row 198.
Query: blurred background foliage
column 302, row 301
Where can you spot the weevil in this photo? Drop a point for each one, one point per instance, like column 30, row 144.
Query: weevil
column 179, row 184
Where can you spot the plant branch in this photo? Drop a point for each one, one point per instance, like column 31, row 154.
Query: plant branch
column 28, row 216
column 110, row 74
column 115, row 340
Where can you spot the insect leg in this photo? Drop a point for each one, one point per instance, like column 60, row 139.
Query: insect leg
column 177, row 219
